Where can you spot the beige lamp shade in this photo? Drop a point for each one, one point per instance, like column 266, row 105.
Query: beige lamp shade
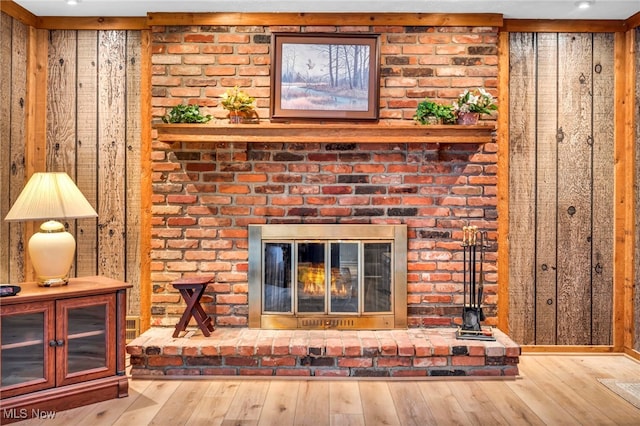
column 51, row 196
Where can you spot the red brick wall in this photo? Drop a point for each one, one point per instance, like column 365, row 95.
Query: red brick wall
column 206, row 194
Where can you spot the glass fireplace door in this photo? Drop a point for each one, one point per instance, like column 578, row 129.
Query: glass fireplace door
column 331, row 277
column 307, row 276
column 312, row 268
column 345, row 278
column 277, row 287
column 331, row 287
column 377, row 277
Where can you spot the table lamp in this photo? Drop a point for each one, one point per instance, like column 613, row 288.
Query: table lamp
column 49, row 196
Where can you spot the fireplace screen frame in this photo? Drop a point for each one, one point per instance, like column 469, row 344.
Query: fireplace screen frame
column 396, row 235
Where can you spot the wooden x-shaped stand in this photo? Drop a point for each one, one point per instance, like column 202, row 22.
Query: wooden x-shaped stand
column 192, row 290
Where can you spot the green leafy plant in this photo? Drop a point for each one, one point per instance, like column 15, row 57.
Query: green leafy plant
column 186, row 114
column 237, row 100
column 429, row 111
column 478, row 100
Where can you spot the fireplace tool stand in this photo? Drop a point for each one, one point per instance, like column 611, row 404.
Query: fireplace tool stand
column 472, row 314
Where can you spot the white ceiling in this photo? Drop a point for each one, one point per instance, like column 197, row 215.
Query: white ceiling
column 511, row 9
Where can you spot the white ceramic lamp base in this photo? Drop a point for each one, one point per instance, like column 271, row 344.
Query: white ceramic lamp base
column 51, row 251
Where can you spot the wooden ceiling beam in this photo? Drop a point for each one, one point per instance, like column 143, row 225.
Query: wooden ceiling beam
column 344, row 19
column 91, row 23
column 563, row 26
column 18, row 12
column 633, row 21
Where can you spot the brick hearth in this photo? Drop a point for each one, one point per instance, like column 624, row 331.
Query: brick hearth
column 322, row 353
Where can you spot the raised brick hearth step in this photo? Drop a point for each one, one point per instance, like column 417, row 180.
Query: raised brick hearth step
column 326, row 353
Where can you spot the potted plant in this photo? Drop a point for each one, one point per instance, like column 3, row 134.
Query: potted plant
column 430, row 112
column 470, row 104
column 238, row 103
column 186, row 114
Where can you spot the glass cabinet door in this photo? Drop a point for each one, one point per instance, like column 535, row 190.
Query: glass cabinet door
column 87, row 326
column 27, row 344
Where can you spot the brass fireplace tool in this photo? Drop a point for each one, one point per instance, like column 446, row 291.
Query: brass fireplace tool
column 472, row 314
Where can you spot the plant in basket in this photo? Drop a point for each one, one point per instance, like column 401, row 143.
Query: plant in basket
column 471, row 103
column 238, row 103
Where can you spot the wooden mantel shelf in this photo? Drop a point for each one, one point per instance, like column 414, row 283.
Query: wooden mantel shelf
column 324, row 133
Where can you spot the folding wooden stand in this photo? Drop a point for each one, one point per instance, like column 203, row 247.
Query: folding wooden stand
column 192, row 290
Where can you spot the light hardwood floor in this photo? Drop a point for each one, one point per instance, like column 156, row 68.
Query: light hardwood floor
column 553, row 390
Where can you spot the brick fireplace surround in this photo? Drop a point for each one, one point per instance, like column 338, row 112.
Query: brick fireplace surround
column 206, row 194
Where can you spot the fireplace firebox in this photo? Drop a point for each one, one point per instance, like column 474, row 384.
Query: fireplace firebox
column 327, row 276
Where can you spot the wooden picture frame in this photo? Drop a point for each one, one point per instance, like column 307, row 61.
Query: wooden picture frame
column 325, row 76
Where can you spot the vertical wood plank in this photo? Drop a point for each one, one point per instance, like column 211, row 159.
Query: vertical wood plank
column 35, row 159
column 522, row 188
column 626, row 220
column 146, row 189
column 61, row 103
column 634, row 37
column 111, row 153
column 17, row 148
column 87, row 149
column 602, row 199
column 61, row 109
column 503, row 184
column 546, row 176
column 574, row 189
column 133, row 176
column 6, row 25
column 37, row 78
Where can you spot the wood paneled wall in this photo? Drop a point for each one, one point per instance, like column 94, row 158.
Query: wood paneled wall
column 93, row 117
column 561, row 188
column 93, row 133
column 97, row 147
column 13, row 84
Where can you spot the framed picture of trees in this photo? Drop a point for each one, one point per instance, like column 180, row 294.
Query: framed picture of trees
column 325, row 76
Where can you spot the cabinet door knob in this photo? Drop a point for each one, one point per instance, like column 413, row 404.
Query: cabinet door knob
column 60, row 342
column 52, row 343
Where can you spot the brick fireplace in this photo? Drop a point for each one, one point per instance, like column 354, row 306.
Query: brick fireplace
column 206, row 192
column 214, row 192
column 211, row 183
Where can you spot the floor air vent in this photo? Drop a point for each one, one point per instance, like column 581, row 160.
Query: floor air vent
column 132, row 328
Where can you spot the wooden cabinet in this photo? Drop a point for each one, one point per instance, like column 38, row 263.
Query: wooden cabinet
column 62, row 347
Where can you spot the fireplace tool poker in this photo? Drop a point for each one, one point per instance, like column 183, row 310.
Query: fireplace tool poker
column 473, row 278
